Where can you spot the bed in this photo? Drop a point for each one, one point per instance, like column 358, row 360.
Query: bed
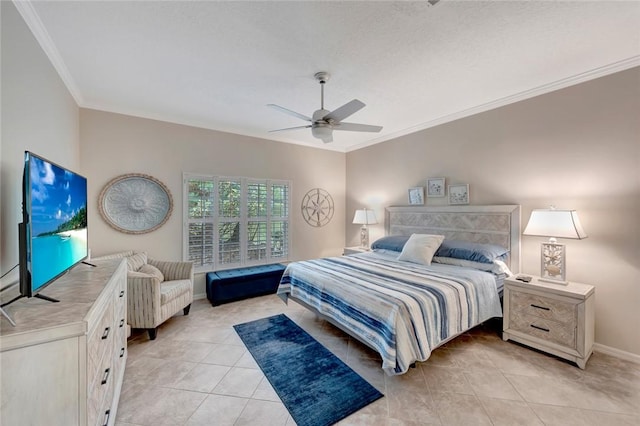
column 405, row 309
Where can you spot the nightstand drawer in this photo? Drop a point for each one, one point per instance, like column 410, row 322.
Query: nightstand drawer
column 543, row 307
column 551, row 331
column 558, row 319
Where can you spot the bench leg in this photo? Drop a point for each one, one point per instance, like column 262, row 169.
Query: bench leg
column 186, row 309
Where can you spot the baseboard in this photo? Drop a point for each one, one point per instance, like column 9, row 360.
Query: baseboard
column 608, row 350
column 199, row 296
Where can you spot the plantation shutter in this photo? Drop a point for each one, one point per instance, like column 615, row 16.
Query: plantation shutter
column 200, row 218
column 232, row 222
column 279, row 221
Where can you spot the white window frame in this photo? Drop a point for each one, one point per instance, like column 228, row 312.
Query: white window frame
column 243, row 219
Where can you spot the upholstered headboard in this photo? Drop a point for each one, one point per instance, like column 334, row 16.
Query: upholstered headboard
column 499, row 224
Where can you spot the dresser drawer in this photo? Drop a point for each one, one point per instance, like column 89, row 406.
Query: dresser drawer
column 120, row 349
column 100, row 342
column 543, row 307
column 121, row 298
column 120, row 310
column 551, row 331
column 104, row 414
column 99, row 389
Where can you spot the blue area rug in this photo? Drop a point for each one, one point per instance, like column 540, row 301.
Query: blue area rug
column 317, row 388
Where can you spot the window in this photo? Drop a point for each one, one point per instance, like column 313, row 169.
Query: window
column 235, row 221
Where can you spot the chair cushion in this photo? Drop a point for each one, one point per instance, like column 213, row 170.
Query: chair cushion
column 151, row 270
column 136, row 261
column 170, row 290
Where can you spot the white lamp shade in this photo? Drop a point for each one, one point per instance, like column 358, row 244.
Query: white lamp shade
column 555, row 223
column 365, row 217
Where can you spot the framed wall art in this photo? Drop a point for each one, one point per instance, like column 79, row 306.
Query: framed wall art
column 435, row 187
column 459, row 194
column 416, row 195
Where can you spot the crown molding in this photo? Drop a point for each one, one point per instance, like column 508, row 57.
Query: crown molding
column 615, row 67
column 168, row 118
column 31, row 18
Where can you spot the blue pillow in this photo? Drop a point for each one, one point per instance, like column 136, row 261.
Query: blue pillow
column 475, row 252
column 392, row 242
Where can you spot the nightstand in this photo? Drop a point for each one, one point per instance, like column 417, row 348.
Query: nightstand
column 557, row 319
column 353, row 250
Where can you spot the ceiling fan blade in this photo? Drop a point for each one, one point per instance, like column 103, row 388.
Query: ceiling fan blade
column 290, row 128
column 344, row 111
column 288, row 111
column 355, row 127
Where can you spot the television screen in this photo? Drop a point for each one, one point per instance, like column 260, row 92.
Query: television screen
column 55, row 221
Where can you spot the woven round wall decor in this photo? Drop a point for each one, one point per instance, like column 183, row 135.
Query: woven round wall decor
column 135, row 203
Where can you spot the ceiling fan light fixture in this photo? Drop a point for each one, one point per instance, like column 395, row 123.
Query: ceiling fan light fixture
column 321, row 130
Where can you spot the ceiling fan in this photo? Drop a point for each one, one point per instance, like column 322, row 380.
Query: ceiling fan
column 324, row 122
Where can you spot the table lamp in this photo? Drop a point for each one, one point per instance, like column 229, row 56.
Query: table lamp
column 554, row 223
column 364, row 217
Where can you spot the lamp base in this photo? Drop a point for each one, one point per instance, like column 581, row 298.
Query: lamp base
column 552, row 281
column 364, row 237
column 552, row 265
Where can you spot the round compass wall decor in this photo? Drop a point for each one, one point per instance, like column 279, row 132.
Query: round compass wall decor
column 317, row 207
column 135, row 203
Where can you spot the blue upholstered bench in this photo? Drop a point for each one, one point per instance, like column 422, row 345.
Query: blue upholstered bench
column 241, row 283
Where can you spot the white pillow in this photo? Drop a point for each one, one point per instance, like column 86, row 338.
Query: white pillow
column 420, row 248
column 497, row 267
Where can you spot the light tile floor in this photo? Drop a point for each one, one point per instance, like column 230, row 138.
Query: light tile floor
column 198, row 372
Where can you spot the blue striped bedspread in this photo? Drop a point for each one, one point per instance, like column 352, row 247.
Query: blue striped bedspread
column 403, row 310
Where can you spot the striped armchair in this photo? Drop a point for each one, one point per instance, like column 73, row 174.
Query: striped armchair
column 156, row 290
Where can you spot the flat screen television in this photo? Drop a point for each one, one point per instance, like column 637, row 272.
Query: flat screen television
column 53, row 235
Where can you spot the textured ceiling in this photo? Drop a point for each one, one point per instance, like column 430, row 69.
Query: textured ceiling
column 217, row 64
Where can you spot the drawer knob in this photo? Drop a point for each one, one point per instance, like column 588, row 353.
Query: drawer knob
column 105, row 377
column 540, row 307
column 105, row 334
column 106, row 417
column 540, row 328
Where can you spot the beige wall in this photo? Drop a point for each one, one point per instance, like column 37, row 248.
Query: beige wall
column 38, row 114
column 576, row 148
column 114, row 144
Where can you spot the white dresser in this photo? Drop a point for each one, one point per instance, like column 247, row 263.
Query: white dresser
column 63, row 363
column 558, row 319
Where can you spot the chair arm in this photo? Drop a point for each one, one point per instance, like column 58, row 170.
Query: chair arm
column 173, row 270
column 143, row 300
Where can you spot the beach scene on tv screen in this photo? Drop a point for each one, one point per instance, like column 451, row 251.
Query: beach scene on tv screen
column 58, row 220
